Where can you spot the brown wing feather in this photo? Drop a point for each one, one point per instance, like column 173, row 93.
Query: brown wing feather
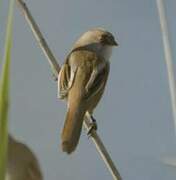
column 99, row 82
column 63, row 81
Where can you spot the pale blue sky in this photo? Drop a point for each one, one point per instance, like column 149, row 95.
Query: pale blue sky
column 134, row 116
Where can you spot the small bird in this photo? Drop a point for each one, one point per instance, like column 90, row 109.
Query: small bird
column 82, row 79
column 21, row 162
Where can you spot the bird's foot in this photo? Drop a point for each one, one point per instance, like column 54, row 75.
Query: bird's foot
column 92, row 126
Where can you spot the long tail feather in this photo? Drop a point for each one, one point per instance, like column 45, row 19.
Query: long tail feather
column 72, row 128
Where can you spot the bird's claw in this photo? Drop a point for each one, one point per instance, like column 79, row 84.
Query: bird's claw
column 92, row 126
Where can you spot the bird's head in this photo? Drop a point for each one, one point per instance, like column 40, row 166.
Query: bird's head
column 96, row 36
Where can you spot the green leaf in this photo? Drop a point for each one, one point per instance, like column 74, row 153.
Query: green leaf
column 4, row 94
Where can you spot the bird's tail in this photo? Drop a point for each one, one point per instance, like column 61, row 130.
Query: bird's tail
column 72, row 128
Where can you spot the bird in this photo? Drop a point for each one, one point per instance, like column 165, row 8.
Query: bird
column 82, row 80
column 22, row 163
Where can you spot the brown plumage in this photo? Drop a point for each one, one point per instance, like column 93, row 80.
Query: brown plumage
column 21, row 162
column 81, row 81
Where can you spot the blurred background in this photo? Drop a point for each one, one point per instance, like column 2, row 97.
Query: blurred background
column 134, row 117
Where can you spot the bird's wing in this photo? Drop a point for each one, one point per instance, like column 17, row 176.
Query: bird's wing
column 93, row 73
column 97, row 80
column 65, row 80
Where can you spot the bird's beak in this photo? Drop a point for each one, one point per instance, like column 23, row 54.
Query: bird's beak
column 114, row 43
column 111, row 42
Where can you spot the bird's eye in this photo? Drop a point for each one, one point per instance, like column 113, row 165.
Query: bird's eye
column 103, row 38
